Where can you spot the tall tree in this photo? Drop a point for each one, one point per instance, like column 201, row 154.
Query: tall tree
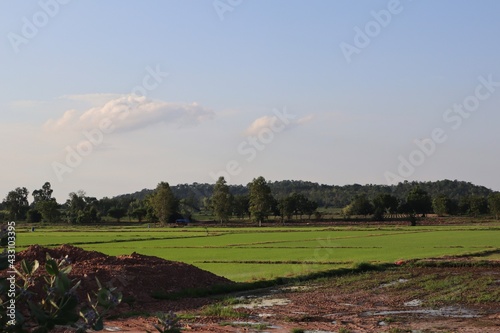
column 74, row 206
column 17, row 203
column 222, row 201
column 45, row 204
column 43, row 194
column 81, row 209
column 261, row 199
column 163, row 202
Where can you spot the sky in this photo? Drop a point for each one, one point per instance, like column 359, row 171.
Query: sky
column 111, row 97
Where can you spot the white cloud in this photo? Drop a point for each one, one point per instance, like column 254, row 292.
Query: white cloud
column 260, row 123
column 129, row 113
column 274, row 122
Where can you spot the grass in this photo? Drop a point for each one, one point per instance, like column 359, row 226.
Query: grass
column 221, row 311
column 261, row 284
column 250, row 254
column 297, row 330
column 398, row 330
column 451, row 286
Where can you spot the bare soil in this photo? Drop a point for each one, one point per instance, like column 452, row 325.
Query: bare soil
column 136, row 276
column 406, row 298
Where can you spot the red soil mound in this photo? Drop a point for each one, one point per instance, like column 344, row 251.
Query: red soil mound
column 136, row 276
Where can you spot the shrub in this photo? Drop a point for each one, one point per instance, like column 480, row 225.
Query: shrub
column 167, row 323
column 56, row 304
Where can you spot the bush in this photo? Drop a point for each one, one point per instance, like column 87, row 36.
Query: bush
column 57, row 304
column 167, row 323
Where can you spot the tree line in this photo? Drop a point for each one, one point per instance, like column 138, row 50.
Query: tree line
column 330, row 196
column 258, row 201
column 418, row 202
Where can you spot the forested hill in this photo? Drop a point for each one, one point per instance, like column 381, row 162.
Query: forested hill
column 329, row 195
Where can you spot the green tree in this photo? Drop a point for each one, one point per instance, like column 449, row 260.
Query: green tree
column 81, row 209
column 137, row 210
column 418, row 201
column 300, row 203
column 478, row 205
column 386, row 203
column 17, row 204
column 221, row 201
column 295, row 204
column 309, row 208
column 49, row 210
column 163, row 202
column 494, row 204
column 241, row 205
column 347, row 211
column 286, row 208
column 360, row 205
column 43, row 194
column 117, row 213
column 74, row 206
column 150, row 212
column 261, row 199
column 33, row 216
column 464, row 205
column 139, row 213
column 45, row 204
column 441, row 205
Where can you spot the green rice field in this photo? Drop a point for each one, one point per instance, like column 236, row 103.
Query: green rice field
column 246, row 254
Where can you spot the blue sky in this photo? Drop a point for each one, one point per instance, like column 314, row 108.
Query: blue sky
column 225, row 71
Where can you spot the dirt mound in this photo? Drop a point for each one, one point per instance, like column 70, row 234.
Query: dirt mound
column 75, row 254
column 136, row 276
